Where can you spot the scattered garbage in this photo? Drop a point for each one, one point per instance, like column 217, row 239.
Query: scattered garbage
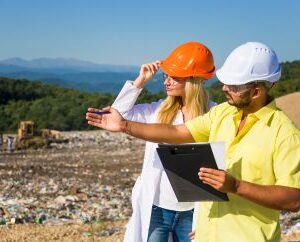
column 85, row 181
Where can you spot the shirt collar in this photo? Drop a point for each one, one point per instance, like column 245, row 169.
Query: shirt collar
column 266, row 112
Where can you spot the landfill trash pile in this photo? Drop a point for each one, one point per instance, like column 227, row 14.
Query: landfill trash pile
column 84, row 182
column 290, row 226
column 87, row 180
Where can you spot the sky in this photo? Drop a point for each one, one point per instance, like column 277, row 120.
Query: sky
column 133, row 32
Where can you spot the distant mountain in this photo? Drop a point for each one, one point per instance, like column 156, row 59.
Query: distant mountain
column 71, row 73
column 109, row 82
column 63, row 65
column 77, row 74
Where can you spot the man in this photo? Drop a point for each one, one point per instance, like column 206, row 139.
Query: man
column 262, row 173
column 10, row 143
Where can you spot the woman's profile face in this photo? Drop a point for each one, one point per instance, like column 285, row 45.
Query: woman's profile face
column 175, row 86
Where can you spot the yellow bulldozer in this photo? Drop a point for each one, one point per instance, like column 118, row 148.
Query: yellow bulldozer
column 30, row 137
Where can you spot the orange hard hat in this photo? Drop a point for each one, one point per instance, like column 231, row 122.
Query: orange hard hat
column 190, row 59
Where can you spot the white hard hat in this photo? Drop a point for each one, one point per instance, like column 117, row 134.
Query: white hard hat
column 250, row 62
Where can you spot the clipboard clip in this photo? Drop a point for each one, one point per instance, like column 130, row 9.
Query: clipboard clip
column 182, row 150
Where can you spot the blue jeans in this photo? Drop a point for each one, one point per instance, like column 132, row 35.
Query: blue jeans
column 164, row 221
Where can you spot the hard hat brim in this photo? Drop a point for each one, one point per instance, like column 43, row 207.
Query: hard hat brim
column 172, row 70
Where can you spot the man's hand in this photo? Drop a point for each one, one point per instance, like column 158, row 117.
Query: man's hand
column 192, row 235
column 111, row 121
column 271, row 196
column 218, row 179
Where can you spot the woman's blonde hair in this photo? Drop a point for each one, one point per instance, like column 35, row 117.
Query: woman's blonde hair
column 196, row 102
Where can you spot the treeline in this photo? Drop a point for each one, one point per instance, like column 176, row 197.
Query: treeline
column 64, row 109
column 50, row 106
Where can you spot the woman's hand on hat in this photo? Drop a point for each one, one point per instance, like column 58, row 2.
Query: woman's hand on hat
column 147, row 72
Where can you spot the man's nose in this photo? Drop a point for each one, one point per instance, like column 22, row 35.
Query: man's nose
column 225, row 88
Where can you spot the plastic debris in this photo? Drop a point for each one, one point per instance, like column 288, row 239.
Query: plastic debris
column 84, row 181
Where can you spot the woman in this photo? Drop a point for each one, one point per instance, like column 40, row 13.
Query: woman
column 157, row 215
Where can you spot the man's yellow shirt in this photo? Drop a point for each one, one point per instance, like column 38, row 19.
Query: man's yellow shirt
column 266, row 152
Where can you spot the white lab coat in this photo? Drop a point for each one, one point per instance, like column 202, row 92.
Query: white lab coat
column 147, row 183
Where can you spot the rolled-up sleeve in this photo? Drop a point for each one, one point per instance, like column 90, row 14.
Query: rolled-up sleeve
column 287, row 161
column 199, row 127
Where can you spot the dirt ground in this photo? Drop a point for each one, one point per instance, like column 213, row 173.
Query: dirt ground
column 97, row 170
column 67, row 232
column 288, row 103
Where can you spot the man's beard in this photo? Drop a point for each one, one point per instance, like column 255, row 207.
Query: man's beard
column 244, row 101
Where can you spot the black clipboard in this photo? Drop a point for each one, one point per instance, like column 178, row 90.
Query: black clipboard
column 181, row 163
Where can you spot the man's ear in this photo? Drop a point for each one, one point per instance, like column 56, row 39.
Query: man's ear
column 257, row 92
